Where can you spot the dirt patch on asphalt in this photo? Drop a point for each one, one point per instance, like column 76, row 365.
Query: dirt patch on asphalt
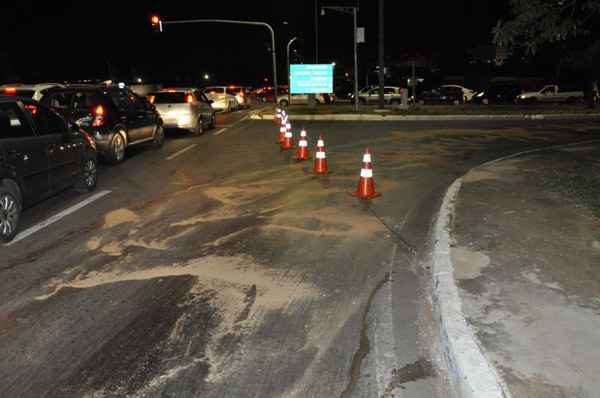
column 468, row 264
column 118, row 217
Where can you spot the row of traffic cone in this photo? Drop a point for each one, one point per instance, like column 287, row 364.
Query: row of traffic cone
column 366, row 185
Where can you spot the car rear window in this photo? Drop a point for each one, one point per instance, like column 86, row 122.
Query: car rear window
column 169, row 98
column 13, row 123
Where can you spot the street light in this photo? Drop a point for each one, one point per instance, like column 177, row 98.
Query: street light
column 353, row 11
column 289, row 71
column 206, row 76
column 157, row 22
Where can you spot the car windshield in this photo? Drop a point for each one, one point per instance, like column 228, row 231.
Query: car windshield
column 169, row 98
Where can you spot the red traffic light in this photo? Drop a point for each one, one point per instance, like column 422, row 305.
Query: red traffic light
column 156, row 23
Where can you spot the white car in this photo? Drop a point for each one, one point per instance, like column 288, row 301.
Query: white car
column 551, row 93
column 370, row 95
column 222, row 100
column 302, row 99
column 241, row 94
column 33, row 91
column 184, row 108
column 467, row 92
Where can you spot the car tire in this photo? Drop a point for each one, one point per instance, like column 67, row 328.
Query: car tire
column 213, row 121
column 10, row 212
column 88, row 178
column 199, row 130
column 117, row 149
column 159, row 137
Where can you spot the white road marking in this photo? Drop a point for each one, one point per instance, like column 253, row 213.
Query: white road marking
column 218, row 132
column 184, row 150
column 57, row 217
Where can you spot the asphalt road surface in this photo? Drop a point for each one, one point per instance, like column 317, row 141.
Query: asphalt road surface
column 218, row 267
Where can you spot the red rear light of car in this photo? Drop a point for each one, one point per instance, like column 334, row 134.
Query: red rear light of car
column 189, row 98
column 31, row 108
column 10, row 90
column 151, row 99
column 98, row 113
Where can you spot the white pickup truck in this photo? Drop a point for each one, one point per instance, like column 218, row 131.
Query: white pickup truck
column 550, row 93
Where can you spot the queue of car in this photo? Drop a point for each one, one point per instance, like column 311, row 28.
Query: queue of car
column 52, row 135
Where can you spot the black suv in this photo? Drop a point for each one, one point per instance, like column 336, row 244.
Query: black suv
column 40, row 154
column 115, row 116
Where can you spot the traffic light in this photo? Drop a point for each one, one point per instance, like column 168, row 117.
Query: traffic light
column 156, row 23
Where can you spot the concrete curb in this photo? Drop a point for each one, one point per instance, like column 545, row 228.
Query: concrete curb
column 429, row 118
column 471, row 374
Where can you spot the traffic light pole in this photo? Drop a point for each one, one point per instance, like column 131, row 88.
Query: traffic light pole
column 228, row 21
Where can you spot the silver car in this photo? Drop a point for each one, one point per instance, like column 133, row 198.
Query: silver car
column 222, row 100
column 184, row 108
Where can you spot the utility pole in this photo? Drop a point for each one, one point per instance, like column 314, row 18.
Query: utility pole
column 288, row 70
column 381, row 55
column 316, row 31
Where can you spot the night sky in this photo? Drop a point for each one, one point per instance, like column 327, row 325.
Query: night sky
column 67, row 40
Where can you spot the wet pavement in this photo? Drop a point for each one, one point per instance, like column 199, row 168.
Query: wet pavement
column 526, row 257
column 229, row 271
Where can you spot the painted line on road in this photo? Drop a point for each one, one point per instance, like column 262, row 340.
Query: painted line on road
column 218, row 132
column 57, row 217
column 184, row 150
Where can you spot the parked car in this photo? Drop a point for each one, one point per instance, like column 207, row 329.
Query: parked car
column 497, row 94
column 551, row 93
column 115, row 116
column 33, row 91
column 442, row 95
column 302, row 99
column 184, row 108
column 40, row 154
column 370, row 95
column 467, row 92
column 241, row 94
column 222, row 100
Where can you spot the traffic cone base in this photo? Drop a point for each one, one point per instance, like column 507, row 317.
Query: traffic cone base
column 288, row 142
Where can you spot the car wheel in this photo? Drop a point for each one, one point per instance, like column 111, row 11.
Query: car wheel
column 159, row 137
column 117, row 148
column 199, row 127
column 10, row 213
column 213, row 121
column 88, row 177
column 283, row 103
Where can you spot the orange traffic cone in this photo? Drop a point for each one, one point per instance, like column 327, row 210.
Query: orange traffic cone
column 288, row 140
column 277, row 117
column 366, row 185
column 320, row 166
column 302, row 152
column 281, row 137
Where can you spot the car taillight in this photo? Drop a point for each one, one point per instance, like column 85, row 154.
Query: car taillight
column 241, row 94
column 189, row 98
column 10, row 90
column 98, row 113
column 151, row 99
column 31, row 108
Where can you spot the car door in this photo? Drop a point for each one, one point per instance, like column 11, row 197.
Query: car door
column 23, row 152
column 204, row 104
column 64, row 153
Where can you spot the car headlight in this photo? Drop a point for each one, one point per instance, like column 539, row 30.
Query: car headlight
column 479, row 95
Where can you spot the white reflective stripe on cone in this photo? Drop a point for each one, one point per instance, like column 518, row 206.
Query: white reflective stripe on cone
column 288, row 135
column 288, row 126
column 303, row 133
column 302, row 143
column 282, row 130
column 367, row 158
column 366, row 173
column 320, row 155
column 320, row 143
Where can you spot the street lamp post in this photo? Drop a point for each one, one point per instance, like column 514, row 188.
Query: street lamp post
column 354, row 12
column 228, row 21
column 289, row 74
